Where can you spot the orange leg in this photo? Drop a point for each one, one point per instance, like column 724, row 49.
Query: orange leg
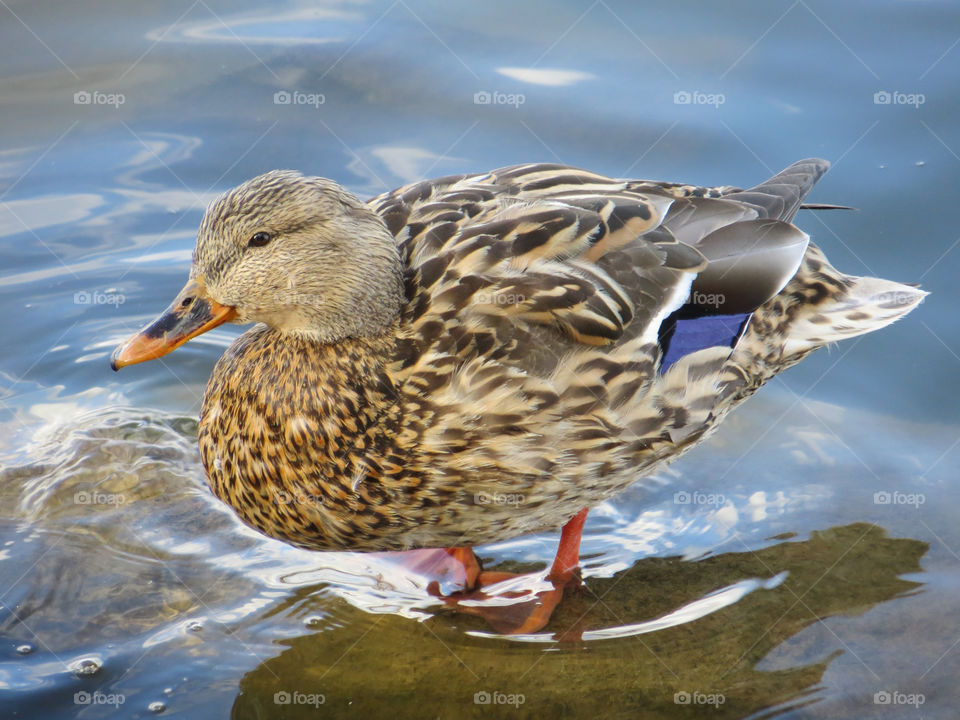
column 533, row 615
column 567, row 559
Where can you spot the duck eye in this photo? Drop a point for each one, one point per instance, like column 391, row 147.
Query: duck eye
column 259, row 239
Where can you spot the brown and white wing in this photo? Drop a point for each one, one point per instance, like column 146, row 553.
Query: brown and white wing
column 528, row 263
column 516, row 264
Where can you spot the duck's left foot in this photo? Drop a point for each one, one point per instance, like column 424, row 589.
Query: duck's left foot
column 460, row 568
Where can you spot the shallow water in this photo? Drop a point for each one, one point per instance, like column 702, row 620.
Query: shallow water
column 799, row 563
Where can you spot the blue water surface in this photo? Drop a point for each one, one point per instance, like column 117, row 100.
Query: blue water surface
column 802, row 563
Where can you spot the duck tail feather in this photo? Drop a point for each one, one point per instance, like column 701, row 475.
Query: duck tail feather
column 781, row 196
column 868, row 304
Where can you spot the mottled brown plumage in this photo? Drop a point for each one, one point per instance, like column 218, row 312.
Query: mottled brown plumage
column 490, row 336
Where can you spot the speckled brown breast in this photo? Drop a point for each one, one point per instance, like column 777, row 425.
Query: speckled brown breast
column 307, row 458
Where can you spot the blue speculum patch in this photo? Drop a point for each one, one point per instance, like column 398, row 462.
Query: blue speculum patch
column 681, row 336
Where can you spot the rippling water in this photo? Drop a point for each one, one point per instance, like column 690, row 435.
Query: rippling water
column 802, row 563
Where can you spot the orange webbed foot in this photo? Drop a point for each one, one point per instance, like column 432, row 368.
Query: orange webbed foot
column 476, row 588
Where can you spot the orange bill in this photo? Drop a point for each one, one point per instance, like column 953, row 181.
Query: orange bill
column 191, row 313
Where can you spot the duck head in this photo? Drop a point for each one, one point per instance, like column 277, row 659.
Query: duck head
column 300, row 254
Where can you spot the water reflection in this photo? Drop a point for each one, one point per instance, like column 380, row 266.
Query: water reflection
column 841, row 571
column 306, row 26
column 549, row 77
column 18, row 216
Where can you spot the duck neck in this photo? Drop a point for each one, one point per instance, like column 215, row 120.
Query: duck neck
column 344, row 382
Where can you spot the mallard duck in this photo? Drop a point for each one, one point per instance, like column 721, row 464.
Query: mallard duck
column 480, row 356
